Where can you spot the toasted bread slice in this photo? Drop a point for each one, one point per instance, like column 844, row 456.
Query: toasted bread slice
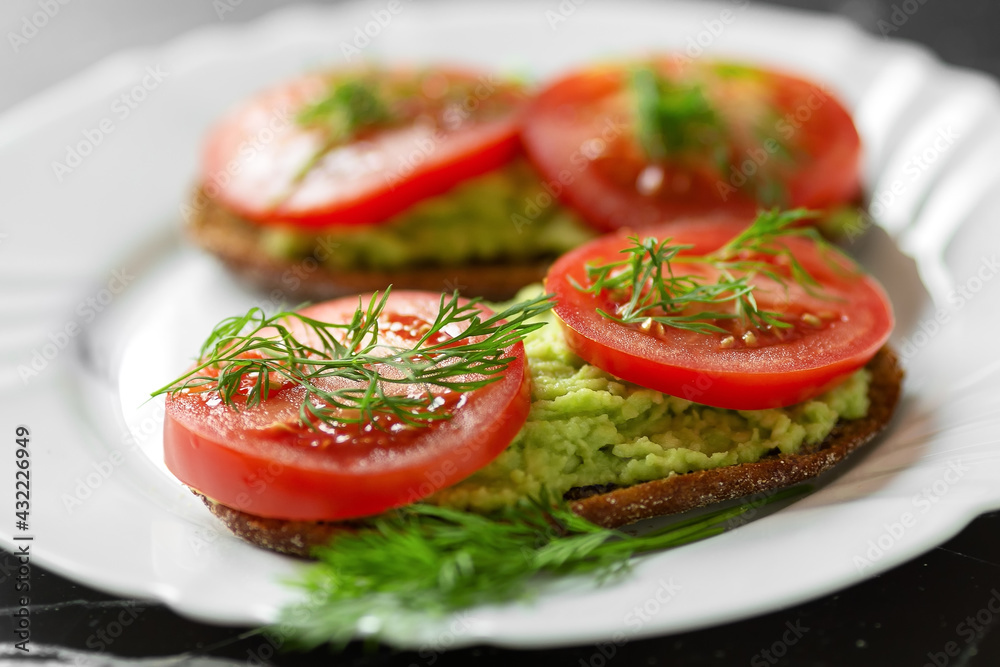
column 238, row 244
column 616, row 507
column 679, row 493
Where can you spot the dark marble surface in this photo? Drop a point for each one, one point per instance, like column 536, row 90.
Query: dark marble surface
column 934, row 610
column 912, row 615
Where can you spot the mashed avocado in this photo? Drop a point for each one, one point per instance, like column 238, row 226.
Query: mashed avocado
column 503, row 216
column 587, row 427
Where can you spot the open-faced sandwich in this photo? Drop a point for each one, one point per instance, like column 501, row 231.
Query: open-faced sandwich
column 347, row 181
column 666, row 138
column 678, row 367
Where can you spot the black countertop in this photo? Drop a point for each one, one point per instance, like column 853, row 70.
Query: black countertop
column 942, row 608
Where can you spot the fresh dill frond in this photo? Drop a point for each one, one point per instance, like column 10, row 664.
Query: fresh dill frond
column 244, row 355
column 349, row 107
column 654, row 290
column 673, row 117
column 429, row 560
column 678, row 120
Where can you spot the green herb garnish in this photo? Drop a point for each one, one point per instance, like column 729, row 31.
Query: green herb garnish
column 242, row 352
column 348, row 108
column 674, row 118
column 654, row 293
column 427, row 560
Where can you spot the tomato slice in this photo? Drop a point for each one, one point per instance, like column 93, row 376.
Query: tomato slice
column 788, row 143
column 260, row 459
column 446, row 126
column 835, row 331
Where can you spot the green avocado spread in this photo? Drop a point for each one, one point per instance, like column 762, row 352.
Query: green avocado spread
column 587, row 427
column 513, row 217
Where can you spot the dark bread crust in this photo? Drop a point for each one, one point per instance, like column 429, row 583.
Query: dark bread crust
column 237, row 243
column 618, row 507
column 680, row 493
column 296, row 538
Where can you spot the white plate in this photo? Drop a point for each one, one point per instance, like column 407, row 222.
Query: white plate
column 104, row 510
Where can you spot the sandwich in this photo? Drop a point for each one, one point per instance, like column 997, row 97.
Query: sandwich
column 346, row 181
column 665, row 138
column 656, row 371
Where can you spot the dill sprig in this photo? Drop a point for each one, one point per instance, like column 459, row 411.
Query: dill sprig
column 349, row 107
column 244, row 355
column 674, row 117
column 429, row 560
column 654, row 293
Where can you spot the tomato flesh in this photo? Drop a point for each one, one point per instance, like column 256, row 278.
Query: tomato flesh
column 449, row 126
column 834, row 332
column 580, row 132
column 261, row 460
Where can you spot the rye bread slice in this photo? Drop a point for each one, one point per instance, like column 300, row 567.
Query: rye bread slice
column 679, row 493
column 238, row 244
column 616, row 507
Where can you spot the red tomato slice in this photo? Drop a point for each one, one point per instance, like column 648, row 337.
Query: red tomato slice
column 448, row 126
column 851, row 320
column 262, row 461
column 580, row 132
